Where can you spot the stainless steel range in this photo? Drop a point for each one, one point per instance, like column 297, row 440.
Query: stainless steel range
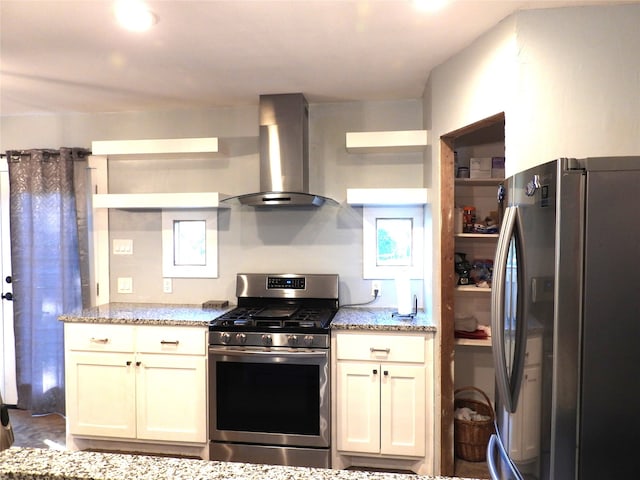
column 269, row 375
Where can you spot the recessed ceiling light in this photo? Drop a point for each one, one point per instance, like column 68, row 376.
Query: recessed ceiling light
column 134, row 15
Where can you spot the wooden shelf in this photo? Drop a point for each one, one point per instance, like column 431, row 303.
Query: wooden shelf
column 157, row 200
column 387, row 141
column 387, row 196
column 470, row 342
column 478, row 182
column 472, row 289
column 478, row 236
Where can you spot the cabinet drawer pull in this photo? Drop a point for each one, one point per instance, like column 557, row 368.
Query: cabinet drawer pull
column 169, row 342
column 99, row 340
column 385, row 350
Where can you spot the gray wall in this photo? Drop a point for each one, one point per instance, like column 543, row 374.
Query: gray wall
column 323, row 240
column 566, row 78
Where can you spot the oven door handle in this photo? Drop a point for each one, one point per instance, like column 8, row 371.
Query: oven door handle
column 269, row 353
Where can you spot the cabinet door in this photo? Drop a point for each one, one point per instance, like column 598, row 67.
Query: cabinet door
column 100, row 394
column 171, row 398
column 358, row 415
column 531, row 391
column 525, row 423
column 402, row 410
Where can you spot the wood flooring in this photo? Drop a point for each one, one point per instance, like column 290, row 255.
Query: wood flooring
column 37, row 431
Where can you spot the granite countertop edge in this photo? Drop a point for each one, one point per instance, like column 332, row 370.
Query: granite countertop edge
column 145, row 314
column 381, row 319
column 347, row 318
column 39, row 464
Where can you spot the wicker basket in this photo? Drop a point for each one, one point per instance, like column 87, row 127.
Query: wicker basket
column 472, row 436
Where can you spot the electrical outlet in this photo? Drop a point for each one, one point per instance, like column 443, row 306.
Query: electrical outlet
column 375, row 285
column 167, row 285
column 125, row 285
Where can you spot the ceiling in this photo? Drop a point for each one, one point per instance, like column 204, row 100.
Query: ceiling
column 70, row 56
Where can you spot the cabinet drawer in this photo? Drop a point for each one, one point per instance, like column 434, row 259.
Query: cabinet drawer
column 177, row 340
column 97, row 337
column 389, row 348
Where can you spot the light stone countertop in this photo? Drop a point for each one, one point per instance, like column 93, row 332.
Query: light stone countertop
column 146, row 314
column 380, row 319
column 39, row 464
column 347, row 318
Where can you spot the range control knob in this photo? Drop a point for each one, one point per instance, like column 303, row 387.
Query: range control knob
column 308, row 340
column 241, row 338
column 293, row 340
column 266, row 339
column 225, row 337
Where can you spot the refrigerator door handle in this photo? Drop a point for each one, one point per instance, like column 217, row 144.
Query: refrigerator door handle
column 496, row 453
column 508, row 388
column 497, row 306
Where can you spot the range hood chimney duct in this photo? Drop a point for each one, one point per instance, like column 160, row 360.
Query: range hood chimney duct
column 284, row 153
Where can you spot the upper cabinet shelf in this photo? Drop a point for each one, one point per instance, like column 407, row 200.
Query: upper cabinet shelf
column 387, row 196
column 155, row 147
column 389, row 141
column 130, row 201
column 479, row 182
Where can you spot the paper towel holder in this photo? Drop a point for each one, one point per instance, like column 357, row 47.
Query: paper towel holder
column 408, row 316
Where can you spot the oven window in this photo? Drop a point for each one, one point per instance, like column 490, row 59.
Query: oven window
column 269, row 398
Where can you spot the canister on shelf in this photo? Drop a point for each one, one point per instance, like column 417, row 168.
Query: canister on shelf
column 468, row 218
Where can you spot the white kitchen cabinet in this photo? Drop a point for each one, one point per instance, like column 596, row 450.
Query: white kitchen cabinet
column 525, row 423
column 136, row 383
column 384, row 400
column 381, row 408
column 100, row 394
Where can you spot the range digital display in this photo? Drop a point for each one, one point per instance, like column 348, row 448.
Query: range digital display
column 286, row 283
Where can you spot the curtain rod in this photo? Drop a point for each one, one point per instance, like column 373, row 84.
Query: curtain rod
column 57, row 152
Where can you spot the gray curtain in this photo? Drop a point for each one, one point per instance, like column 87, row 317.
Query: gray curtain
column 46, row 265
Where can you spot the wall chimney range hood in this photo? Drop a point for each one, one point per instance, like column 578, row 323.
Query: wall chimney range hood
column 284, row 154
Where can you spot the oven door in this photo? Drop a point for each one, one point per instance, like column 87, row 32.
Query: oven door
column 269, row 396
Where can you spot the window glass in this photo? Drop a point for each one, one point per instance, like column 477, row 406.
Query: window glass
column 394, row 241
column 189, row 242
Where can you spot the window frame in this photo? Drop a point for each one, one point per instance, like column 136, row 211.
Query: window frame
column 371, row 270
column 210, row 268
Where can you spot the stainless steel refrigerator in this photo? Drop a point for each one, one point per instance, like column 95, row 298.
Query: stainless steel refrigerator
column 566, row 323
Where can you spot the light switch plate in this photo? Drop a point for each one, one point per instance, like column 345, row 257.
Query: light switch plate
column 122, row 246
column 125, row 285
column 167, row 285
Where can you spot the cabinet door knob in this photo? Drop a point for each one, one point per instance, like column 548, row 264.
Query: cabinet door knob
column 128, row 363
column 386, row 372
column 138, row 364
column 375, row 372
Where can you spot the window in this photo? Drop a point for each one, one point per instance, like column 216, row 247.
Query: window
column 189, row 244
column 392, row 242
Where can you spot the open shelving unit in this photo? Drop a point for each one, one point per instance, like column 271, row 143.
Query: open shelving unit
column 453, row 297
